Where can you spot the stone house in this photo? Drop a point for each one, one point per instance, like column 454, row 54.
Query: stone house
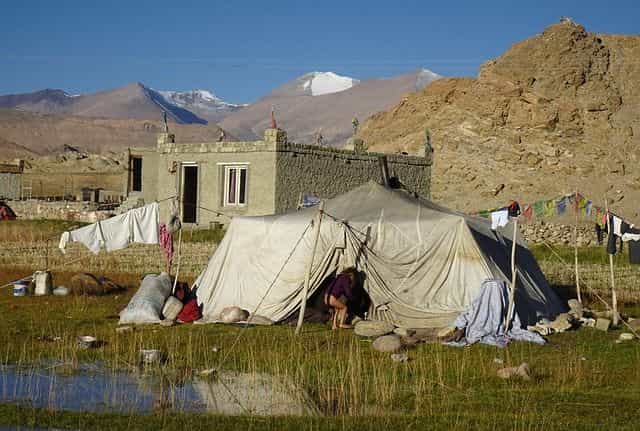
column 218, row 180
column 11, row 180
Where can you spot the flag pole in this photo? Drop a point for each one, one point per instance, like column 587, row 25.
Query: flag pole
column 512, row 290
column 614, row 297
column 575, row 246
column 307, row 278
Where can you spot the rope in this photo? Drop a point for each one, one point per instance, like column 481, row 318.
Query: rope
column 591, row 289
column 235, row 342
column 345, row 223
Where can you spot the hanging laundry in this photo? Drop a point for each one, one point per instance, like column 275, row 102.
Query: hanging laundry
column 634, row 252
column 561, row 206
column 616, row 222
column 538, row 209
column 588, row 208
column 166, row 243
column 138, row 225
column 499, row 218
column 611, row 241
column 549, row 208
column 144, row 224
column 630, row 232
column 90, row 236
column 599, row 234
column 514, row 209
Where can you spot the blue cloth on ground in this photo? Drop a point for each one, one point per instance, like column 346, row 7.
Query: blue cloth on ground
column 484, row 320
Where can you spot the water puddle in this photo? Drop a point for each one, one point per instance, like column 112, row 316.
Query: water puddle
column 92, row 388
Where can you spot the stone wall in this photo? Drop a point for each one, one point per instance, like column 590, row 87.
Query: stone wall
column 326, row 172
column 58, row 210
column 558, row 234
column 10, row 185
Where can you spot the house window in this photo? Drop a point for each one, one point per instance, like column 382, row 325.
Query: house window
column 235, row 185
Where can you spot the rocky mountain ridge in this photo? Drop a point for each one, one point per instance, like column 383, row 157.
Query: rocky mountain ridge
column 555, row 113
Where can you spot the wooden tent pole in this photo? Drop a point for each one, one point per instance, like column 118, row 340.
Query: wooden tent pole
column 512, row 290
column 614, row 297
column 575, row 247
column 307, row 278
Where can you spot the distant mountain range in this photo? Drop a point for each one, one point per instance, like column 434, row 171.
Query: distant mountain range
column 324, row 103
column 134, row 101
column 312, row 104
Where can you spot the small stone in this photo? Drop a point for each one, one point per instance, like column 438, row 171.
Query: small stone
column 207, row 372
column 561, row 323
column 124, row 329
column 373, row 328
column 399, row 357
column 626, row 336
column 233, row 314
column 498, row 361
column 603, row 324
column 522, row 371
column 404, row 332
column 387, row 343
column 61, row 291
column 167, row 322
column 446, row 331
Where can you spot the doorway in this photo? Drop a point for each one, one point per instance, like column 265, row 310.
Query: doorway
column 189, row 193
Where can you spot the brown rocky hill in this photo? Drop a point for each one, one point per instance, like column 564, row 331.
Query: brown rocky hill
column 557, row 112
column 27, row 134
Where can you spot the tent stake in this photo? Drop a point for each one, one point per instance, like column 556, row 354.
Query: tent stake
column 614, row 297
column 512, row 290
column 575, row 247
column 307, row 278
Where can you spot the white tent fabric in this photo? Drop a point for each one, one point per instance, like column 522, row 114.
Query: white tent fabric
column 422, row 264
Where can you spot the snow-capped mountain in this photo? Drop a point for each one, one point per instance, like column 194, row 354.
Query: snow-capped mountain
column 323, row 101
column 203, row 103
column 320, row 83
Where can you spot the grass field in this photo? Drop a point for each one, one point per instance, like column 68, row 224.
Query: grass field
column 582, row 379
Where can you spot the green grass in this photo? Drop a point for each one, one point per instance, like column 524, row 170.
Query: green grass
column 586, row 255
column 354, row 386
column 582, row 379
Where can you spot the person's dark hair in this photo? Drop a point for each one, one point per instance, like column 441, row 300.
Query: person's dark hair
column 350, row 271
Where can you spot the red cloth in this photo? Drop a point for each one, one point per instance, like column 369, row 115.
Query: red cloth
column 166, row 242
column 527, row 213
column 6, row 213
column 190, row 311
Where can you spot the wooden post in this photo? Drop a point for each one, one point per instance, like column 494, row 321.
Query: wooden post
column 614, row 297
column 512, row 290
column 307, row 278
column 575, row 247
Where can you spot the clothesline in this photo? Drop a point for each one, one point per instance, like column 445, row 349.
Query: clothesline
column 553, row 207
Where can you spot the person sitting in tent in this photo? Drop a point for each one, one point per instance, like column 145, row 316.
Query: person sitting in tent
column 338, row 296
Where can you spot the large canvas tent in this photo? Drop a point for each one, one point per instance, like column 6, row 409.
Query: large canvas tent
column 422, row 264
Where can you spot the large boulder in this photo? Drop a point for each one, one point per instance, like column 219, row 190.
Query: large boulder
column 233, row 314
column 373, row 328
column 387, row 343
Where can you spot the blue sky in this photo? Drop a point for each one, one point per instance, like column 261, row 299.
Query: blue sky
column 243, row 49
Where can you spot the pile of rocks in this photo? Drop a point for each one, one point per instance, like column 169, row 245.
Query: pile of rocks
column 558, row 234
column 389, row 339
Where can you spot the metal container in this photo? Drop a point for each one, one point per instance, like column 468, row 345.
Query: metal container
column 150, row 356
column 171, row 308
column 20, row 288
column 87, row 342
column 43, row 282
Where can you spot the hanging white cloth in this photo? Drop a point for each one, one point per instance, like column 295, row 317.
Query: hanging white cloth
column 145, row 224
column 140, row 225
column 499, row 218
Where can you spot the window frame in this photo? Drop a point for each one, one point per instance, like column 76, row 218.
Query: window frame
column 226, row 180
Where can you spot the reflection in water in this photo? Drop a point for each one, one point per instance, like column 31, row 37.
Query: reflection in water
column 95, row 389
